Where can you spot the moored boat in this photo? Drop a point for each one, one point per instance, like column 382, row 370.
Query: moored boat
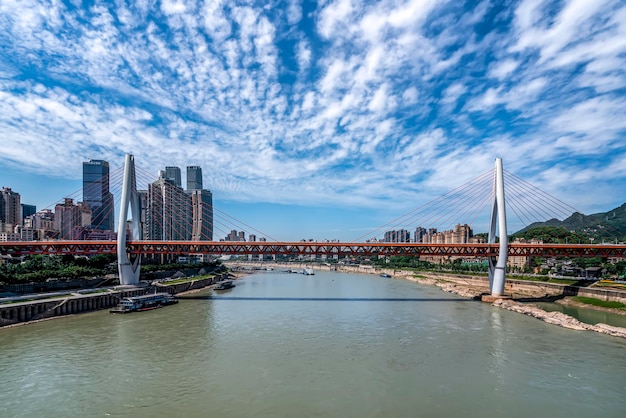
column 224, row 285
column 144, row 303
column 385, row 275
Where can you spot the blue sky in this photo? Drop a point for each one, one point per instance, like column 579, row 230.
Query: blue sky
column 320, row 119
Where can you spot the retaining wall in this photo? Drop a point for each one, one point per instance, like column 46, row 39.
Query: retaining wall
column 191, row 285
column 14, row 313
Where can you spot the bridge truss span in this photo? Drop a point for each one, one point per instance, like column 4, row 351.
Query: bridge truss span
column 19, row 248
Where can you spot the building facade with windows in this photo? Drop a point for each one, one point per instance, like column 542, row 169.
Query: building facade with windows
column 168, row 212
column 96, row 195
column 10, row 207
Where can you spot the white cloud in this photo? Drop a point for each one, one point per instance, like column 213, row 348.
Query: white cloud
column 503, row 69
column 374, row 106
column 171, row 7
column 304, row 55
column 294, row 12
column 452, row 93
column 410, row 96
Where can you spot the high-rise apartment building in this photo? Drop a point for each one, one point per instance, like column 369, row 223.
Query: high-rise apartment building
column 401, row 235
column 173, row 174
column 202, row 202
column 168, row 211
column 462, row 234
column 43, row 219
column 194, row 178
column 202, row 215
column 143, row 204
column 69, row 216
column 235, row 235
column 28, row 210
column 96, row 194
column 10, row 207
column 419, row 234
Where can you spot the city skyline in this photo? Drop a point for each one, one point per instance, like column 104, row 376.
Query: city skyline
column 315, row 120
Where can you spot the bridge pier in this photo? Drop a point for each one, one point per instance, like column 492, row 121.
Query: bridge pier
column 129, row 269
column 497, row 266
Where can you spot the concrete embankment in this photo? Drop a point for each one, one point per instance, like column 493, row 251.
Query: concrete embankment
column 191, row 285
column 74, row 303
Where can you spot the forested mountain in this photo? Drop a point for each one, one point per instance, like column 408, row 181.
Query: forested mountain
column 609, row 225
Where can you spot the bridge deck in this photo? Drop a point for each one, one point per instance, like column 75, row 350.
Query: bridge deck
column 18, row 248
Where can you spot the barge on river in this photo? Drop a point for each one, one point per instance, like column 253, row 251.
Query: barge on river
column 144, row 303
column 224, row 285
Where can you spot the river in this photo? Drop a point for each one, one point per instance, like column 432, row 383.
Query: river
column 328, row 345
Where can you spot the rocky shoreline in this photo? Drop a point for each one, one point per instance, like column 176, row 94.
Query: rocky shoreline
column 557, row 318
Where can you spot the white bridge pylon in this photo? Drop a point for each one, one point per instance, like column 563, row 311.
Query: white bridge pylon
column 129, row 269
column 497, row 267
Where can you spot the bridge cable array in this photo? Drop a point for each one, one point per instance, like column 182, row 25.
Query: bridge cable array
column 471, row 202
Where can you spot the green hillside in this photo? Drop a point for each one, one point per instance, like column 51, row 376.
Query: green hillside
column 608, row 226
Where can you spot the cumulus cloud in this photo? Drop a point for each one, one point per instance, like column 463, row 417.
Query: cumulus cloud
column 356, row 102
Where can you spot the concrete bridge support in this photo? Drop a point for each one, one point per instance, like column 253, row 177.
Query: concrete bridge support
column 497, row 266
column 129, row 269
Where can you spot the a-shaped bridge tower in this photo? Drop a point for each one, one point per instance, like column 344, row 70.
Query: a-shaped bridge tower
column 497, row 265
column 129, row 266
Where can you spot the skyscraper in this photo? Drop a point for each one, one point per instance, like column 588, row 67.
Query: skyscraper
column 202, row 204
column 10, row 207
column 28, row 210
column 168, row 211
column 96, row 195
column 173, row 174
column 194, row 178
column 68, row 217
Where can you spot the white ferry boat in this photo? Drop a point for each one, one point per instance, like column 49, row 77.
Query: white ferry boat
column 144, row 303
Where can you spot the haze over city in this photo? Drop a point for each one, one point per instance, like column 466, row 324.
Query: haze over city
column 317, row 119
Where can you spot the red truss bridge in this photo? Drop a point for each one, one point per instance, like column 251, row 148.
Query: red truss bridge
column 19, row 248
column 173, row 223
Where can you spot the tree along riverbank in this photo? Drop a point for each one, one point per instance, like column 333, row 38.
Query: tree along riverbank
column 522, row 293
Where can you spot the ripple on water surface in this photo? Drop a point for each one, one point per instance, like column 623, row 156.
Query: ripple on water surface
column 325, row 345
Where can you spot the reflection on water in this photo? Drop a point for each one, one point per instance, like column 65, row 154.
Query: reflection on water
column 327, row 345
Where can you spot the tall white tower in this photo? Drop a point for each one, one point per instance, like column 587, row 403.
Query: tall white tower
column 129, row 269
column 497, row 268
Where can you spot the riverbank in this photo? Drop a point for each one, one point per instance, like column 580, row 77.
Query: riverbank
column 475, row 288
column 33, row 310
column 29, row 311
